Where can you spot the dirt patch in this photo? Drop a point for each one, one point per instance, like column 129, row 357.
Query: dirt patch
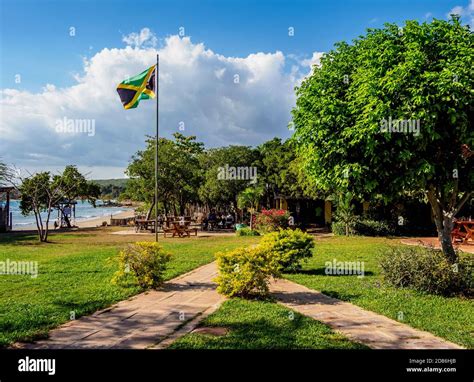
column 212, row 331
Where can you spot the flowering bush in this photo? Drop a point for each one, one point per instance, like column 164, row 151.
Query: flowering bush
column 271, row 220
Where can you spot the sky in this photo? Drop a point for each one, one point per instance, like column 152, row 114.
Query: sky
column 227, row 70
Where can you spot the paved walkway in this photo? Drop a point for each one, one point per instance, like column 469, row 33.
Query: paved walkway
column 144, row 320
column 153, row 320
column 369, row 328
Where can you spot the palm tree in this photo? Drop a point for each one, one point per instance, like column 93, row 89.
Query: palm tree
column 249, row 198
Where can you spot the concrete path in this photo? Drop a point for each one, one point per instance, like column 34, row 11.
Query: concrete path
column 369, row 328
column 144, row 320
column 153, row 320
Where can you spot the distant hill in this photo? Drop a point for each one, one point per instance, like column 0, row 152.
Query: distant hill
column 122, row 182
column 111, row 188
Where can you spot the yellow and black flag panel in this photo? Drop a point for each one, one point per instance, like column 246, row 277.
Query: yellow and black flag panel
column 134, row 89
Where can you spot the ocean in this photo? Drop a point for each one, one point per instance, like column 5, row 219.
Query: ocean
column 84, row 211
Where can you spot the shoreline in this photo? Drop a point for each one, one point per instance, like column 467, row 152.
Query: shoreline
column 83, row 223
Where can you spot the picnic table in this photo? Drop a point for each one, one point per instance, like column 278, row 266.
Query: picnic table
column 144, row 225
column 180, row 228
column 463, row 230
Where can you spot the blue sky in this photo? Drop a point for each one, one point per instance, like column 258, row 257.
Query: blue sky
column 48, row 76
column 35, row 34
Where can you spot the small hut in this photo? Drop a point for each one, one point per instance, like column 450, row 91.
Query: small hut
column 5, row 214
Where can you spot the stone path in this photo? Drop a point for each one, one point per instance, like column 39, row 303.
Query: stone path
column 153, row 320
column 369, row 328
column 144, row 320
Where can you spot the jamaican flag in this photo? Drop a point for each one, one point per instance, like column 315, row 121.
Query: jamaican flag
column 134, row 89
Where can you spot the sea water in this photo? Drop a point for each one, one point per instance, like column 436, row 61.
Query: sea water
column 84, row 211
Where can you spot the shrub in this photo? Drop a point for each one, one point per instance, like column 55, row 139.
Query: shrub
column 289, row 247
column 247, row 232
column 142, row 263
column 427, row 270
column 369, row 227
column 364, row 227
column 245, row 272
column 339, row 228
column 271, row 220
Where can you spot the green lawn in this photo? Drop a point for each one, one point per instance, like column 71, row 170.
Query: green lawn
column 74, row 275
column 263, row 325
column 449, row 318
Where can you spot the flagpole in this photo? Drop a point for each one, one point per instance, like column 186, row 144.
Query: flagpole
column 157, row 92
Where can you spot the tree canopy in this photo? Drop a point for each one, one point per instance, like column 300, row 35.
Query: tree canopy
column 387, row 116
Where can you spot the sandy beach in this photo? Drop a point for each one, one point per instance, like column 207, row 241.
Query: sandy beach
column 86, row 223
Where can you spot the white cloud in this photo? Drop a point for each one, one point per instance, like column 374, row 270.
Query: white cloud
column 466, row 12
column 197, row 87
column 142, row 39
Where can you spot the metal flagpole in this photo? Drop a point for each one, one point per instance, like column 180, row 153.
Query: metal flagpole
column 157, row 92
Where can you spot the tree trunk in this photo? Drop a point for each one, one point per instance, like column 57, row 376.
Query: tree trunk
column 444, row 221
column 148, row 214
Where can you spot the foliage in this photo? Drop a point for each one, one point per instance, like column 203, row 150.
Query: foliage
column 345, row 213
column 271, row 220
column 179, row 173
column 245, row 272
column 420, row 72
column 111, row 188
column 222, row 192
column 143, row 263
column 289, row 247
column 249, row 198
column 362, row 226
column 427, row 270
column 369, row 227
column 246, row 231
column 279, row 172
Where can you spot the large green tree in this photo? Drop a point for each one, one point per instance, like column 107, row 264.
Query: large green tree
column 223, row 191
column 280, row 171
column 420, row 73
column 179, row 173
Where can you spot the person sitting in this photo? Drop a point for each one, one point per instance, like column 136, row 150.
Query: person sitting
column 212, row 220
column 229, row 220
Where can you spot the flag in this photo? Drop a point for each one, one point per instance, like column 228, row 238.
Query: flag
column 134, row 89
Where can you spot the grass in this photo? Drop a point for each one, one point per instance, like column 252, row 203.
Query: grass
column 263, row 325
column 74, row 275
column 449, row 318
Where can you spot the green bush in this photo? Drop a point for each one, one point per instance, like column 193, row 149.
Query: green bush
column 369, row 227
column 339, row 228
column 247, row 232
column 427, row 270
column 289, row 247
column 142, row 263
column 245, row 272
column 364, row 227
